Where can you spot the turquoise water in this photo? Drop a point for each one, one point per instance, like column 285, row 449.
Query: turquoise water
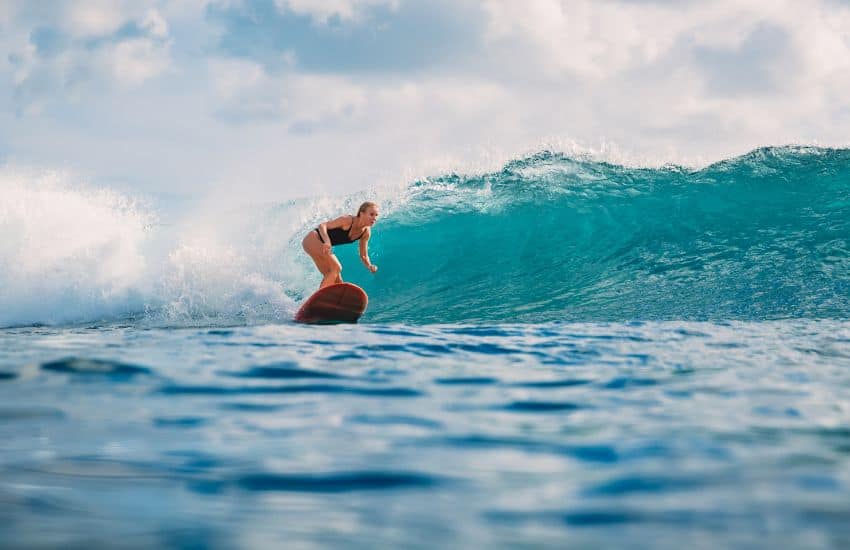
column 564, row 353
column 549, row 238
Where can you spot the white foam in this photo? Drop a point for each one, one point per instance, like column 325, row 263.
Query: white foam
column 71, row 252
column 67, row 253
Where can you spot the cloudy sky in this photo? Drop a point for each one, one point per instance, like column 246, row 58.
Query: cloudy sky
column 297, row 97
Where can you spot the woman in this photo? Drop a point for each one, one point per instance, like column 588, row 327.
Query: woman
column 343, row 230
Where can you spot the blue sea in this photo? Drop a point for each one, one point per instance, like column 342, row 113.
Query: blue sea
column 563, row 353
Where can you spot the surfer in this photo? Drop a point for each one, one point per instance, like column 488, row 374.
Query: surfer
column 343, row 230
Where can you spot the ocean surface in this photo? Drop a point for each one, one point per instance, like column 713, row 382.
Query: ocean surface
column 562, row 353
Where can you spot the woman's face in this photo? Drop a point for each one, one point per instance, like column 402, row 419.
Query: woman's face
column 370, row 215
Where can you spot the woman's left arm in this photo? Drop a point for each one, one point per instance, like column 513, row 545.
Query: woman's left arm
column 364, row 250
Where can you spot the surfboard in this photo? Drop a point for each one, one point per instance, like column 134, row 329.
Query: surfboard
column 337, row 303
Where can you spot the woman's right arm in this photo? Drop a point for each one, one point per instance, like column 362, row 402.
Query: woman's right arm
column 323, row 233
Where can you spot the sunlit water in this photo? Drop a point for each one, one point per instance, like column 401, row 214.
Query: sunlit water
column 563, row 435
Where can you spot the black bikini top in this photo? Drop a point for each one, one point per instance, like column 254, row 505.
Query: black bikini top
column 339, row 235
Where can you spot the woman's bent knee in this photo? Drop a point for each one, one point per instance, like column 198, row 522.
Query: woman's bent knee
column 332, row 268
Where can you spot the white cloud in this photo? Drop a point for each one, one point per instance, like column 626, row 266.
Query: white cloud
column 7, row 12
column 824, row 38
column 94, row 17
column 598, row 40
column 303, row 102
column 588, row 39
column 322, row 10
column 665, row 81
column 131, row 62
column 154, row 23
column 61, row 60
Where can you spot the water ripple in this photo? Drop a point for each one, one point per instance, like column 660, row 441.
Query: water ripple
column 586, row 453
column 624, row 382
column 552, row 383
column 397, row 420
column 95, row 367
column 306, row 388
column 467, row 381
column 541, row 406
column 180, row 422
column 26, row 413
column 286, row 370
column 647, row 484
column 338, row 482
column 250, row 407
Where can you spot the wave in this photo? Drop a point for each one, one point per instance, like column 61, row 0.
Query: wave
column 554, row 238
column 550, row 237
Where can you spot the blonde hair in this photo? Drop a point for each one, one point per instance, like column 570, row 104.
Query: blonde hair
column 366, row 206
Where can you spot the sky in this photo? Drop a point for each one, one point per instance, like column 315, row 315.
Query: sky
column 291, row 98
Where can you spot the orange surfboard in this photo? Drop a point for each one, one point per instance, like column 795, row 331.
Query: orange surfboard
column 337, row 303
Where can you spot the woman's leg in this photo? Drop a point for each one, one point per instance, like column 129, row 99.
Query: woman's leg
column 334, row 273
column 327, row 264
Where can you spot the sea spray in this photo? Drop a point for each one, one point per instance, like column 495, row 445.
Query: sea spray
column 73, row 253
column 68, row 253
